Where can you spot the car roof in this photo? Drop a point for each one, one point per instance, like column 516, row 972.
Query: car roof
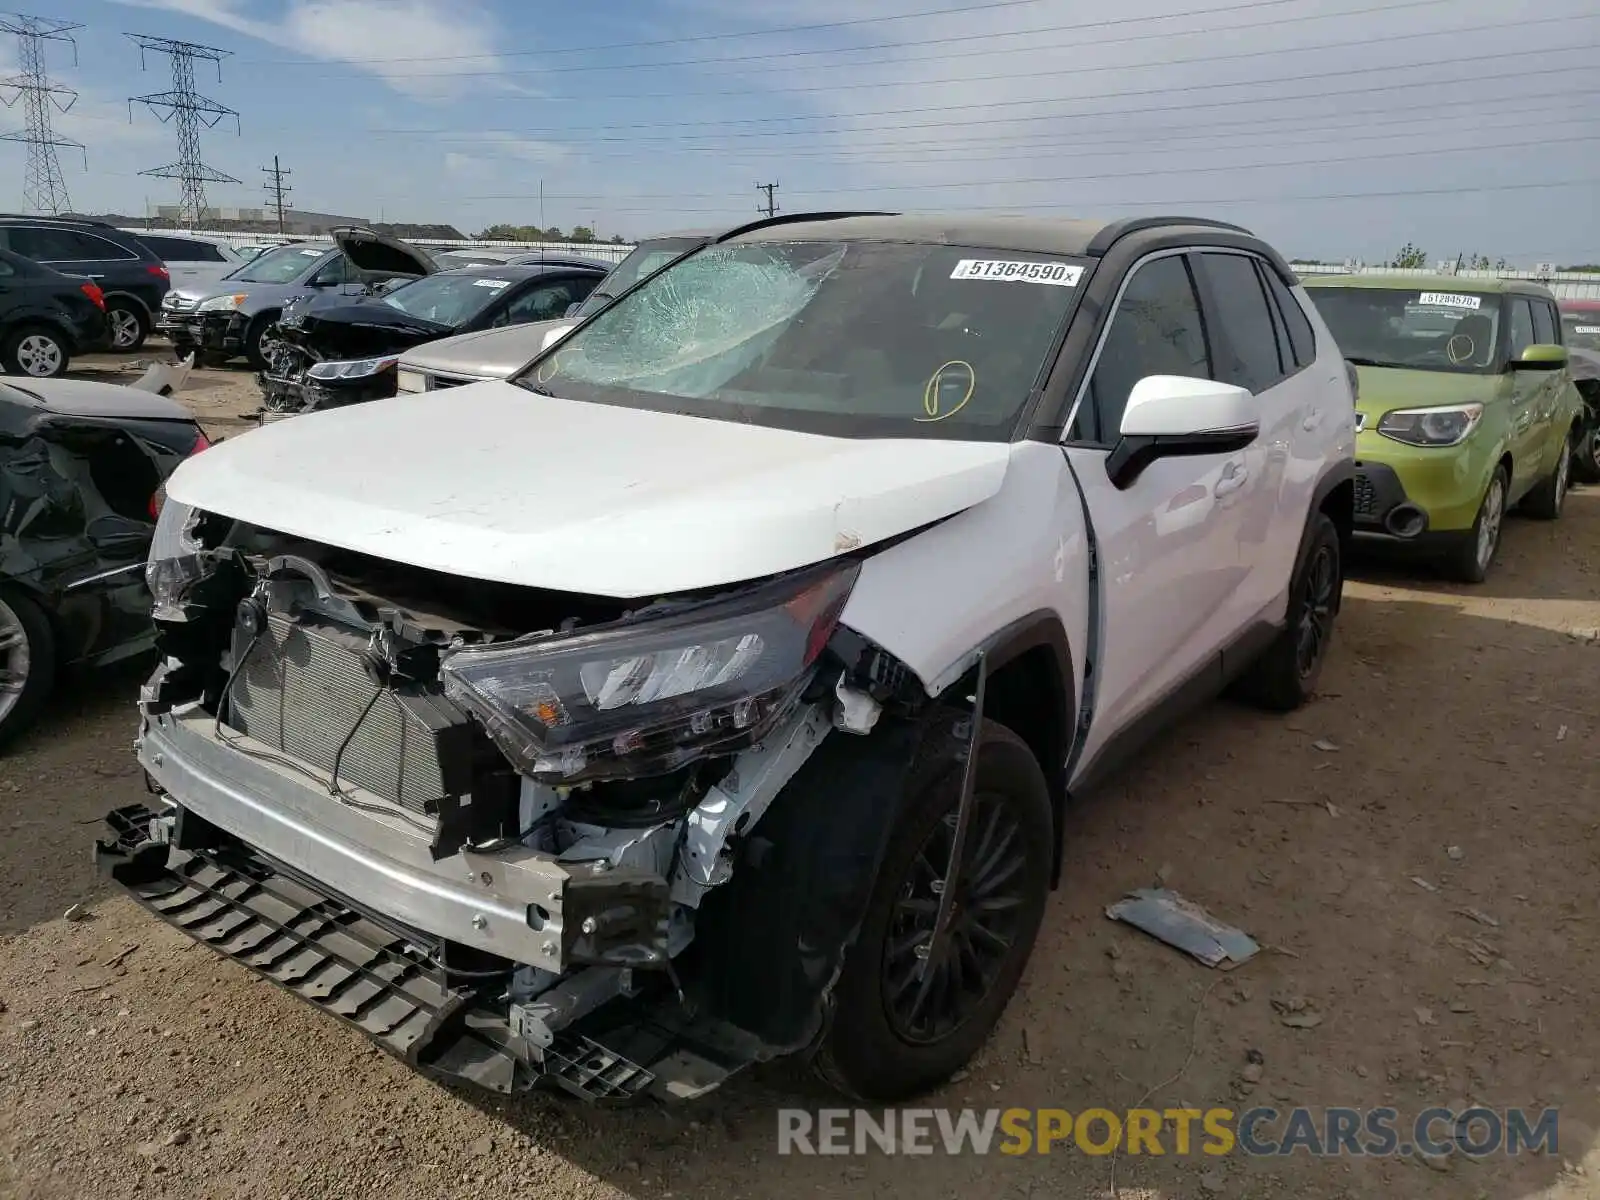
column 1579, row 306
column 1423, row 281
column 517, row 270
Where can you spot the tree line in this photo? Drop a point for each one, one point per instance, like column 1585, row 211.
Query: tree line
column 532, row 233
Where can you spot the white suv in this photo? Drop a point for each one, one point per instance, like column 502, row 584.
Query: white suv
column 714, row 689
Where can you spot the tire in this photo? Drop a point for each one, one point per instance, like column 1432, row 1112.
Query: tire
column 1285, row 675
column 1586, row 450
column 1471, row 559
column 128, row 324
column 875, row 1056
column 37, row 351
column 252, row 340
column 27, row 663
column 1546, row 500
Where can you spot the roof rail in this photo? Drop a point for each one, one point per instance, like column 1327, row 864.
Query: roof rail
column 1117, row 230
column 794, row 218
column 59, row 218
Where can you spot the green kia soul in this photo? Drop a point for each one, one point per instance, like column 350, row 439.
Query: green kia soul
column 1465, row 407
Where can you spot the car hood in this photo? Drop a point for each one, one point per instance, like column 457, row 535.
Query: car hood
column 370, row 251
column 1384, row 389
column 354, row 329
column 82, row 398
column 198, row 290
column 1585, row 364
column 493, row 482
column 483, row 353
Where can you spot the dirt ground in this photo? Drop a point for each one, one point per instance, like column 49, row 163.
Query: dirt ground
column 1417, row 851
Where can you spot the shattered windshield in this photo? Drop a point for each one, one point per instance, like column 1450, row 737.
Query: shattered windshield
column 1413, row 329
column 283, row 265
column 447, row 298
column 1582, row 329
column 853, row 339
column 646, row 260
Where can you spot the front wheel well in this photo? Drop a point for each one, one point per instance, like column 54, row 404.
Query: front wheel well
column 1339, row 505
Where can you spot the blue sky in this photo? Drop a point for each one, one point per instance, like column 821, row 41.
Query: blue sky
column 1333, row 127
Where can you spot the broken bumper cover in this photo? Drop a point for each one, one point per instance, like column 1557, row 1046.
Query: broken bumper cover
column 216, row 331
column 290, row 394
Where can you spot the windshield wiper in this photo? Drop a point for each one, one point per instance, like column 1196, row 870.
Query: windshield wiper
column 538, row 389
column 1356, row 360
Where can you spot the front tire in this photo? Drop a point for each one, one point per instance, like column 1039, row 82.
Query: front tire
column 898, row 1030
column 254, row 354
column 37, row 351
column 1470, row 561
column 128, row 324
column 27, row 663
column 1285, row 676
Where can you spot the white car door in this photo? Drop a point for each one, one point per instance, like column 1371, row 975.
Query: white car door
column 1168, row 544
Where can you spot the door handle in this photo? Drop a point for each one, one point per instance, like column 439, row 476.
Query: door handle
column 1313, row 420
column 1233, row 478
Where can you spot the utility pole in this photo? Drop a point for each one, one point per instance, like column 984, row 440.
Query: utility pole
column 43, row 189
column 189, row 112
column 277, row 189
column 770, row 205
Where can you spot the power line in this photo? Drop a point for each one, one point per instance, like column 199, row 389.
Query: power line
column 43, row 188
column 188, row 111
column 771, row 205
column 276, row 188
column 900, row 46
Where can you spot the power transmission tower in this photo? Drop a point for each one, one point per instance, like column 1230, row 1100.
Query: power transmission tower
column 277, row 189
column 43, row 189
column 770, row 205
column 188, row 111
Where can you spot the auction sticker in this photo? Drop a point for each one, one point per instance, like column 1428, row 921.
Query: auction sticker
column 496, row 284
column 1449, row 300
column 1586, row 329
column 1055, row 274
column 314, row 253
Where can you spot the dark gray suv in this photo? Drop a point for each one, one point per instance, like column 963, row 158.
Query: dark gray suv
column 132, row 276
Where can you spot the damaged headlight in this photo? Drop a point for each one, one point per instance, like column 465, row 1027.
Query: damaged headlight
column 174, row 561
column 646, row 697
column 222, row 303
column 355, row 368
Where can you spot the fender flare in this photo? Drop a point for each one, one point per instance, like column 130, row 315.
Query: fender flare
column 119, row 294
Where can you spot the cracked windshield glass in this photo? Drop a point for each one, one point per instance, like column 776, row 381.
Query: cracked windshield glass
column 851, row 338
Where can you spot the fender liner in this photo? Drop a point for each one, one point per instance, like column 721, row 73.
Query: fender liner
column 119, row 294
column 1343, row 471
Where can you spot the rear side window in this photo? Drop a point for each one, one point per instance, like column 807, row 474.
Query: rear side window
column 45, row 244
column 171, row 249
column 1156, row 330
column 1302, row 341
column 1522, row 335
column 1251, row 358
column 1544, row 325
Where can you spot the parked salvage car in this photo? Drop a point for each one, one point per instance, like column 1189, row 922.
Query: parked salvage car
column 1580, row 328
column 1458, row 423
column 131, row 276
column 497, row 353
column 714, row 690
column 323, row 355
column 192, row 259
column 81, row 471
column 228, row 318
column 46, row 317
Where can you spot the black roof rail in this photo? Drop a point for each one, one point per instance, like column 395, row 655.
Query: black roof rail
column 1117, row 230
column 58, row 218
column 795, row 218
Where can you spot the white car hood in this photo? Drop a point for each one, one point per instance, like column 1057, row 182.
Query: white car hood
column 493, row 482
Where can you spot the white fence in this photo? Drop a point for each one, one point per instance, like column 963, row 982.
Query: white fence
column 611, row 252
column 1567, row 285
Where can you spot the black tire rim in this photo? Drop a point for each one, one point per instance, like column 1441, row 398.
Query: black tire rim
column 1316, row 611
column 927, row 1006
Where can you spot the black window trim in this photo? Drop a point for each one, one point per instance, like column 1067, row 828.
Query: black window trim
column 1287, row 365
column 1211, row 308
column 123, row 254
column 1268, row 275
column 1111, row 310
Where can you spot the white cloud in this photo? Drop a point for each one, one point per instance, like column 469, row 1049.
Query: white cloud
column 364, row 32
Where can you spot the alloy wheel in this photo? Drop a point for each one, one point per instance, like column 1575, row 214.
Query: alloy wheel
column 1316, row 614
column 930, row 992
column 124, row 328
column 39, row 355
column 1494, row 510
column 16, row 659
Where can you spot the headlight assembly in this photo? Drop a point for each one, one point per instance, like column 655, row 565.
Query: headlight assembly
column 1445, row 425
column 222, row 303
column 174, row 561
column 645, row 697
column 355, row 368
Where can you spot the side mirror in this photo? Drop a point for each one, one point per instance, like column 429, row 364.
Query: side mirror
column 552, row 336
column 1169, row 416
column 1541, row 357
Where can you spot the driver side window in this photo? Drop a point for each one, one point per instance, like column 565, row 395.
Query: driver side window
column 1521, row 325
column 333, row 272
column 1156, row 330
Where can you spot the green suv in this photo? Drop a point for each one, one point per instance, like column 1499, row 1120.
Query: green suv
column 1465, row 407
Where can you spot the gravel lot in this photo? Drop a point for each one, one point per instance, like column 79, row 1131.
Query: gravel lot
column 1455, row 744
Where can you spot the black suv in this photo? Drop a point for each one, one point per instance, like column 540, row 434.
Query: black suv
column 45, row 317
column 132, row 277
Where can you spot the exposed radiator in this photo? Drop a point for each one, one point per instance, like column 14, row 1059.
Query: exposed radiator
column 303, row 690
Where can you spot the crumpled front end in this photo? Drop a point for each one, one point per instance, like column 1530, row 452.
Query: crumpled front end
column 503, row 854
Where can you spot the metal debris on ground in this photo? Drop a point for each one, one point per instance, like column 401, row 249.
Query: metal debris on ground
column 163, row 378
column 1424, row 884
column 76, row 913
column 1297, row 1012
column 1325, row 746
column 1478, row 915
column 1167, row 916
column 1455, row 853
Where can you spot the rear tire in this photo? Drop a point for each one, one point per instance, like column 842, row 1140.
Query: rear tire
column 1545, row 502
column 1285, row 676
column 875, row 1049
column 1471, row 559
column 35, row 351
column 1586, row 453
column 27, row 662
column 128, row 324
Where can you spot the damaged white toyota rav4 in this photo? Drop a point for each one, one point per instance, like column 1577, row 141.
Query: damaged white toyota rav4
column 713, row 690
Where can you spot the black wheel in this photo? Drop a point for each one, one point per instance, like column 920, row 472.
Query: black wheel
column 1285, row 676
column 1473, row 555
column 127, row 322
column 37, row 351
column 27, row 662
column 1586, row 449
column 1546, row 500
column 907, row 1014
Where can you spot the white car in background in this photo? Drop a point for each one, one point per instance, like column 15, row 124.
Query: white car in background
column 193, row 258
